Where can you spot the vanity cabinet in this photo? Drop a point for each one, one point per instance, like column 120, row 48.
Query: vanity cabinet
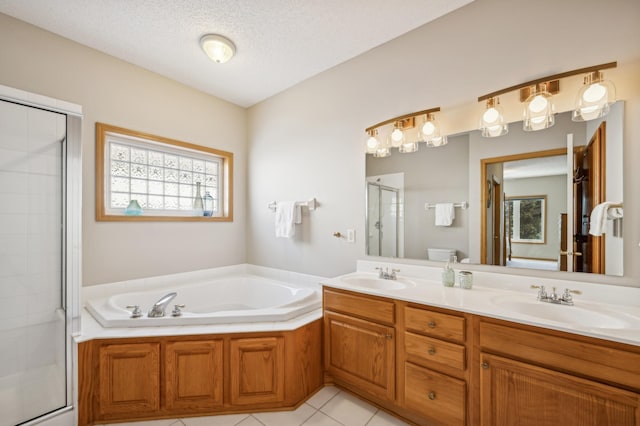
column 434, row 364
column 534, row 376
column 360, row 342
column 128, row 379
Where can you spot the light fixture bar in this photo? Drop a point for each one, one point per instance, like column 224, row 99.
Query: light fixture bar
column 402, row 118
column 551, row 77
column 552, row 87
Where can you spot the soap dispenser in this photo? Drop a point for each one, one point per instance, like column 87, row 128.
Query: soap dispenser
column 448, row 274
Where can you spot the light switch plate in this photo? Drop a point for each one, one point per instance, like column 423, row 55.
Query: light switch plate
column 351, row 235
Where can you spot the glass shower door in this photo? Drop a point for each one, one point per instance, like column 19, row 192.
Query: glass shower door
column 33, row 346
column 382, row 220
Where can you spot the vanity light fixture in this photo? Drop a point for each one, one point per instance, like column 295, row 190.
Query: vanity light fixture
column 539, row 111
column 431, row 132
column 594, row 97
column 399, row 136
column 594, row 100
column 492, row 121
column 218, row 48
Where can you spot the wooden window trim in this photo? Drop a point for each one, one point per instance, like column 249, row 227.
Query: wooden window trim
column 227, row 172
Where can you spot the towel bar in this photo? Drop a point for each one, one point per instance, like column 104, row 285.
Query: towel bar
column 311, row 204
column 463, row 205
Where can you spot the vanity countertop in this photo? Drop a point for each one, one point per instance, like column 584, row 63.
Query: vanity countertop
column 601, row 311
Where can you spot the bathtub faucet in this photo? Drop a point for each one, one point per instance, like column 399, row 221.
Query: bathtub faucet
column 157, row 310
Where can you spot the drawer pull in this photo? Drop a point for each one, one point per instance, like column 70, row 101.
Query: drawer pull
column 432, row 324
column 431, row 351
column 485, row 365
column 388, row 336
column 432, row 395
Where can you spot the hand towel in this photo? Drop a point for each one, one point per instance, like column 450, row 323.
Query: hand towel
column 599, row 216
column 445, row 213
column 287, row 215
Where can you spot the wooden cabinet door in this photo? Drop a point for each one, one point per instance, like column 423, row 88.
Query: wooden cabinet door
column 515, row 393
column 257, row 370
column 361, row 353
column 193, row 375
column 129, row 380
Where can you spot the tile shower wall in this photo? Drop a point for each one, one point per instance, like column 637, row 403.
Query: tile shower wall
column 31, row 319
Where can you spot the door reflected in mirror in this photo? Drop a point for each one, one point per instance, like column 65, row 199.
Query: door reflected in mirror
column 487, row 172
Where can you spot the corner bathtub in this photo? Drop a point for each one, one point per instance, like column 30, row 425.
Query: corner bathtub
column 224, row 300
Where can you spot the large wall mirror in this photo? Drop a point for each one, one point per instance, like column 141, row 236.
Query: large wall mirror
column 523, row 200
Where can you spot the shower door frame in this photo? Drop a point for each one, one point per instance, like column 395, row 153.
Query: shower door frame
column 367, row 218
column 71, row 241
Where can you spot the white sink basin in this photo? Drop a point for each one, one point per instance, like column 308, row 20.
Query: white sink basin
column 590, row 316
column 369, row 281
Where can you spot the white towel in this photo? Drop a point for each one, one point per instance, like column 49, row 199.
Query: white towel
column 287, row 215
column 445, row 213
column 599, row 216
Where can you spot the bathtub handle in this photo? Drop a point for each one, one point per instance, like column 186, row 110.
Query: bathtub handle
column 177, row 310
column 136, row 312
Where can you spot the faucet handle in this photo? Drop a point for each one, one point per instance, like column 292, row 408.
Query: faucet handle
column 136, row 312
column 177, row 310
column 566, row 296
column 542, row 292
column 380, row 271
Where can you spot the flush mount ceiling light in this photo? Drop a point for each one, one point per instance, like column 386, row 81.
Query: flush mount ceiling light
column 220, row 49
column 539, row 111
column 399, row 136
column 492, row 121
column 593, row 100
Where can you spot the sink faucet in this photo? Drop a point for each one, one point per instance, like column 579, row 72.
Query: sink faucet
column 158, row 308
column 385, row 275
column 564, row 299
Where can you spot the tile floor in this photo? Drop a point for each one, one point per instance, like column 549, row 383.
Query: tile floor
column 328, row 407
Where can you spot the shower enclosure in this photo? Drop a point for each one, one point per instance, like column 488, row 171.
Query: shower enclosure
column 382, row 220
column 39, row 241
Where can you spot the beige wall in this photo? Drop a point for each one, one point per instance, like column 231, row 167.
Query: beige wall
column 308, row 141
column 118, row 93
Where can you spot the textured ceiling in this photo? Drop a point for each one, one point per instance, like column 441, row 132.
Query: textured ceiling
column 279, row 42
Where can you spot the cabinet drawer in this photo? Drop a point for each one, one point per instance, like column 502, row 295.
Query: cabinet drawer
column 435, row 395
column 432, row 352
column 594, row 359
column 434, row 324
column 375, row 309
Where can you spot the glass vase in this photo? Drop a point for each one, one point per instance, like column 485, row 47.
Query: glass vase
column 198, row 207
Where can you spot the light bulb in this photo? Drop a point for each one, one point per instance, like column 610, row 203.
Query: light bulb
column 428, row 128
column 538, row 104
column 492, row 122
column 372, row 142
column 490, row 115
column 594, row 93
column 397, row 135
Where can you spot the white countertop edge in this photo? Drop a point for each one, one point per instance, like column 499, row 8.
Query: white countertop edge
column 92, row 330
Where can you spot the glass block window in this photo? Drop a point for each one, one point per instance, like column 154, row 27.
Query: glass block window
column 162, row 177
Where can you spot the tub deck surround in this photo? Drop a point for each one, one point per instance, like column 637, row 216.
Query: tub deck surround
column 224, row 300
column 256, row 310
column 601, row 311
